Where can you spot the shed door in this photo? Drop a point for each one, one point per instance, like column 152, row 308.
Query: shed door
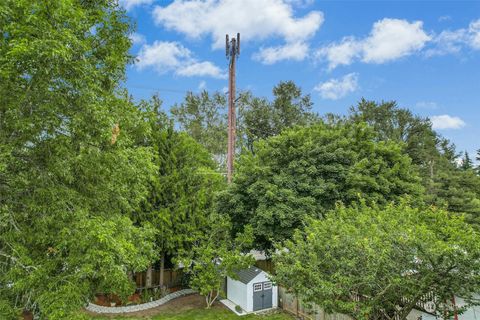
column 262, row 295
column 267, row 295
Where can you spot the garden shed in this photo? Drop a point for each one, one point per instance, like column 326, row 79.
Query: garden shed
column 253, row 290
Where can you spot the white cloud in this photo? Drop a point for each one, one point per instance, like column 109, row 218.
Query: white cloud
column 255, row 20
column 389, row 39
column 474, row 34
column 293, row 51
column 129, row 4
column 342, row 53
column 166, row 56
column 335, row 89
column 426, row 105
column 448, row 41
column 204, row 68
column 446, row 121
column 137, row 38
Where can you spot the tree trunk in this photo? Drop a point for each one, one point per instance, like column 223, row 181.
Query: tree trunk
column 162, row 268
column 148, row 279
column 27, row 315
column 210, row 298
column 455, row 312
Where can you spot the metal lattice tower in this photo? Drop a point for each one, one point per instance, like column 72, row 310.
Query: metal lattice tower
column 232, row 50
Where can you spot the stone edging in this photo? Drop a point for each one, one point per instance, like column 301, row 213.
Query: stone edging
column 139, row 307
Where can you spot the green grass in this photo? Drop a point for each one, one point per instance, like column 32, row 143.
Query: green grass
column 204, row 314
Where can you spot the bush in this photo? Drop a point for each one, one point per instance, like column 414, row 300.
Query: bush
column 238, row 309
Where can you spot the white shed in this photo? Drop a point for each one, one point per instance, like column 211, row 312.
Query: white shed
column 253, row 291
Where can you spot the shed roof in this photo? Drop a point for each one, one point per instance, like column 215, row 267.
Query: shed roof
column 247, row 275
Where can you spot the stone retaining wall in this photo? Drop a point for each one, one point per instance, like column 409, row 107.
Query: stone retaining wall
column 139, row 307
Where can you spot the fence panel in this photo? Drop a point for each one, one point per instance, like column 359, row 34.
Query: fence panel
column 171, row 278
column 290, row 303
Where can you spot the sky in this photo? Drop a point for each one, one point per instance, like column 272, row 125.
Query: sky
column 425, row 55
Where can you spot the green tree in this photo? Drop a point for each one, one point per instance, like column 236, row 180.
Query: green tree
column 204, row 118
column 70, row 170
column 393, row 123
column 303, row 172
column 373, row 263
column 459, row 191
column 435, row 157
column 182, row 190
column 478, row 162
column 263, row 119
column 467, row 163
column 215, row 255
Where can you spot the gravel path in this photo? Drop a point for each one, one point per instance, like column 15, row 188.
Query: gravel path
column 138, row 307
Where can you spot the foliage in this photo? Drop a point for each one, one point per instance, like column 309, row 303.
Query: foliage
column 434, row 156
column 393, row 123
column 478, row 162
column 467, row 163
column 459, row 191
column 303, row 172
column 70, row 170
column 263, row 119
column 203, row 117
column 148, row 295
column 181, row 192
column 373, row 263
column 214, row 256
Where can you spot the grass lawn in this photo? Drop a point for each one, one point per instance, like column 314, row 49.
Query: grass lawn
column 204, row 314
column 192, row 307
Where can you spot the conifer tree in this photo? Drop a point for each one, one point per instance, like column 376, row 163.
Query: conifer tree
column 467, row 163
column 181, row 192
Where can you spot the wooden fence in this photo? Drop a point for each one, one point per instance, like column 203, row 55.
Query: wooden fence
column 171, row 278
column 290, row 303
column 266, row 265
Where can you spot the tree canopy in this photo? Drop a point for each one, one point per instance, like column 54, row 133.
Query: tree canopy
column 204, row 117
column 305, row 171
column 373, row 263
column 215, row 254
column 181, row 191
column 70, row 170
column 446, row 184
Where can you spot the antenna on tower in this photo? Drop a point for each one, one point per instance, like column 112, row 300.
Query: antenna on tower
column 227, row 46
column 238, row 43
column 232, row 50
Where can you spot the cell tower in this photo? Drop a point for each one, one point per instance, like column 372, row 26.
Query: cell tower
column 232, row 50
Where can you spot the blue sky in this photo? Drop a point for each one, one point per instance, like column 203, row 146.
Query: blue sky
column 423, row 54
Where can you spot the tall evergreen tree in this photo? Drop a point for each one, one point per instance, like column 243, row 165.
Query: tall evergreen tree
column 478, row 162
column 467, row 163
column 182, row 190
